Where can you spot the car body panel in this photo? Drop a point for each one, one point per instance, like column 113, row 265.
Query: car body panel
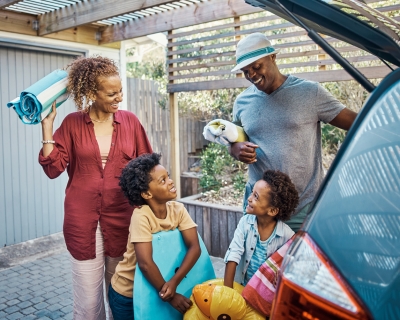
column 355, row 219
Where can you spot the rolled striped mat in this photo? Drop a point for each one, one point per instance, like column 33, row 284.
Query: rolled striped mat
column 34, row 103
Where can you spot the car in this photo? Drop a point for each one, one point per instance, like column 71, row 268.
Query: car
column 345, row 261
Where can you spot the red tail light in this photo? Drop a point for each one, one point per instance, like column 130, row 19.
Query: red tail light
column 310, row 288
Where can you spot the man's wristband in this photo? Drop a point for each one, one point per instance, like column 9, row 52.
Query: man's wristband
column 48, row 141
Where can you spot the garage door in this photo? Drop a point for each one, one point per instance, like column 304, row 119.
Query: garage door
column 31, row 205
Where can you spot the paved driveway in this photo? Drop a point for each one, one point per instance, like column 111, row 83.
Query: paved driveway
column 35, row 280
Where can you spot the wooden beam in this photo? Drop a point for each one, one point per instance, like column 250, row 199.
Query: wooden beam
column 6, row 3
column 91, row 11
column 174, row 128
column 22, row 23
column 188, row 16
column 17, row 22
column 82, row 34
column 319, row 76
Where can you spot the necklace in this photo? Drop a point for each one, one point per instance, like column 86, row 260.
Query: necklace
column 103, row 120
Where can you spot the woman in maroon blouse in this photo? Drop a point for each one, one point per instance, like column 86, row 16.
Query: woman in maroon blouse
column 93, row 144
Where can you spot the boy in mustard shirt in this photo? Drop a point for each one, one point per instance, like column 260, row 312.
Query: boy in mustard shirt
column 147, row 185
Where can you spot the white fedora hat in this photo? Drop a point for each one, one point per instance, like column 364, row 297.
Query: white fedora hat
column 252, row 48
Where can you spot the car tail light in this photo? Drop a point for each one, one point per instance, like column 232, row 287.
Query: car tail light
column 310, row 287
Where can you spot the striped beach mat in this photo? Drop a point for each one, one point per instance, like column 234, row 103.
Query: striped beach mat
column 259, row 292
column 34, row 103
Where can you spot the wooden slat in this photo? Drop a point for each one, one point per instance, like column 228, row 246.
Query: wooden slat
column 215, row 217
column 193, row 136
column 203, row 48
column 203, row 12
column 202, row 74
column 233, row 44
column 225, row 26
column 280, row 56
column 315, row 63
column 199, row 221
column 207, row 228
column 230, row 53
column 321, row 76
column 192, row 211
column 232, row 34
column 231, row 225
column 195, row 58
column 91, row 11
column 310, row 63
column 223, row 233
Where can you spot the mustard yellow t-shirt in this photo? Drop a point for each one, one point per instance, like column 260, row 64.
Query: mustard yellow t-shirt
column 143, row 224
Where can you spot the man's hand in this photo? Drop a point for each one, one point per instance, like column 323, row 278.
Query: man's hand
column 167, row 291
column 180, row 303
column 244, row 151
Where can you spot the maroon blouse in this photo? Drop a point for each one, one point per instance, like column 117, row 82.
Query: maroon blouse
column 93, row 194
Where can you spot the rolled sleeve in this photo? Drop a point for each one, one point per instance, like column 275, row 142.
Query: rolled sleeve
column 56, row 162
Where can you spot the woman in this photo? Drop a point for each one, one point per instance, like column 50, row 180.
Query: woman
column 93, row 144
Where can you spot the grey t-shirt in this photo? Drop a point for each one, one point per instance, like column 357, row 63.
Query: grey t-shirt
column 286, row 126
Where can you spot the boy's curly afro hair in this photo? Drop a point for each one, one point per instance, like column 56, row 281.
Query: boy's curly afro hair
column 283, row 193
column 135, row 177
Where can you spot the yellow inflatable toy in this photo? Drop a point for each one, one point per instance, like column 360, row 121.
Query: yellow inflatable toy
column 212, row 300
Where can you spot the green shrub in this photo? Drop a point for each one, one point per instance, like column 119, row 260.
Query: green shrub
column 219, row 169
column 332, row 137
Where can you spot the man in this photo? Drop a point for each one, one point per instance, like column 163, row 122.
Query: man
column 281, row 115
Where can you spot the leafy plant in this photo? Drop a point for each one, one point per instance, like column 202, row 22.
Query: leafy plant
column 332, row 137
column 219, row 169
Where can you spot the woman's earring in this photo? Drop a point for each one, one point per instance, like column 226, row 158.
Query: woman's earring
column 90, row 102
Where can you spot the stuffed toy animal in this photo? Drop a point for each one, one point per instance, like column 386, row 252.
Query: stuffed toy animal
column 224, row 132
column 213, row 301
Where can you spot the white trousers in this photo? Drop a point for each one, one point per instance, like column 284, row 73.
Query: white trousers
column 90, row 282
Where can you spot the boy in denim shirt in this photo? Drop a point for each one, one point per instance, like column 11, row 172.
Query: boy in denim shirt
column 261, row 231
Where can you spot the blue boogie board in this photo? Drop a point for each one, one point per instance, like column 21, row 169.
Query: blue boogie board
column 169, row 249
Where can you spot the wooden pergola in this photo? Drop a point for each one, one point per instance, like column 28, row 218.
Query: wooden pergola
column 108, row 22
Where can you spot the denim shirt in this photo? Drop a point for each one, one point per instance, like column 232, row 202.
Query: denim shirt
column 244, row 242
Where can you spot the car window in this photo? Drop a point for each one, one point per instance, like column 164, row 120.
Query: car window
column 356, row 217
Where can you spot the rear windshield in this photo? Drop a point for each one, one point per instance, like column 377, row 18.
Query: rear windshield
column 370, row 16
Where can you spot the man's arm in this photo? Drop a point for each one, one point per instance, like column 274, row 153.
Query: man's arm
column 193, row 253
column 344, row 119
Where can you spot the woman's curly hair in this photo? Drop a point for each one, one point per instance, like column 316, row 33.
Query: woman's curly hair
column 283, row 193
column 135, row 177
column 82, row 77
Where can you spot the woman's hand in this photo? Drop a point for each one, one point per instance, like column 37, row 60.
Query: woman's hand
column 168, row 290
column 244, row 151
column 51, row 116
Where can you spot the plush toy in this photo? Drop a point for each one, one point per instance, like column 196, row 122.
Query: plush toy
column 224, row 132
column 213, row 301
